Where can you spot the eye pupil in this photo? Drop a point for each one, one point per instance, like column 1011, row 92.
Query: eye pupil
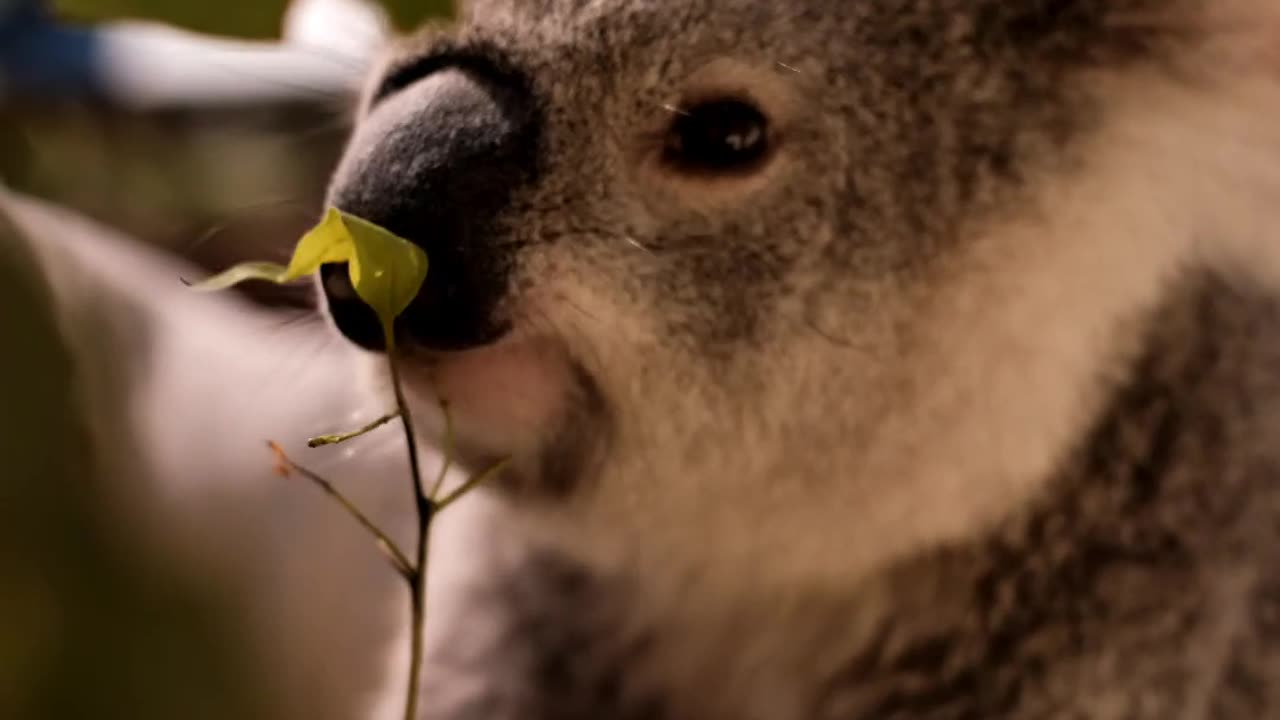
column 719, row 136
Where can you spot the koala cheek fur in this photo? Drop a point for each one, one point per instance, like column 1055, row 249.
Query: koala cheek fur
column 867, row 360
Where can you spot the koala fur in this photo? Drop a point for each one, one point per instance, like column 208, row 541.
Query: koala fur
column 964, row 402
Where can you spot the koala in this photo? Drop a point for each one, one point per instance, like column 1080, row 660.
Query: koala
column 908, row 360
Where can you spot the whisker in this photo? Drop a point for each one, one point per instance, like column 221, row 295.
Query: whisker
column 825, row 335
column 307, row 90
column 574, row 306
column 637, row 244
column 349, row 62
column 241, row 214
column 343, row 121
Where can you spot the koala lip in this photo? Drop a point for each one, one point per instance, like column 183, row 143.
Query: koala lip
column 523, row 397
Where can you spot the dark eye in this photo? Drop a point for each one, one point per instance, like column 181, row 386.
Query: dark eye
column 722, row 136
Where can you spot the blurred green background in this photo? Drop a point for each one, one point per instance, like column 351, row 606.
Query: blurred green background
column 212, row 185
column 89, row 627
column 233, row 18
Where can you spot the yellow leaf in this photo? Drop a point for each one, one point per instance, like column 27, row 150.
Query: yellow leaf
column 386, row 270
column 327, row 242
column 270, row 272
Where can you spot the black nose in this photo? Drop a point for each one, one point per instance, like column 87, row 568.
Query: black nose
column 438, row 161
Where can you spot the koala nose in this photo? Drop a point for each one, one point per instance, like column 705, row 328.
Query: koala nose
column 437, row 161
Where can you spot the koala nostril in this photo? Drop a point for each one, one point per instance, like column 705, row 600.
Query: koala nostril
column 353, row 318
column 337, row 284
column 438, row 162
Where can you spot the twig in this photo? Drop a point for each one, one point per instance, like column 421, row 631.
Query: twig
column 448, row 450
column 415, row 572
column 322, row 440
column 397, row 557
column 418, row 579
column 466, row 487
column 406, row 419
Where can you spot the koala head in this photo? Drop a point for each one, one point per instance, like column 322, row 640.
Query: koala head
column 797, row 287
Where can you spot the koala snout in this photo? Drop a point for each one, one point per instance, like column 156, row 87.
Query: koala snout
column 441, row 152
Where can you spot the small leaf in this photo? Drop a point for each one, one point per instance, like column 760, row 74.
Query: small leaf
column 387, row 271
column 327, row 242
column 271, row 272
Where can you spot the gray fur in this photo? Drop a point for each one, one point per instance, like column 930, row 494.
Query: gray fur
column 964, row 404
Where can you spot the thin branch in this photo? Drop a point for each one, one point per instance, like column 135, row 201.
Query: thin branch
column 471, row 483
column 285, row 466
column 448, row 450
column 322, row 440
column 402, row 406
column 418, row 614
column 426, row 511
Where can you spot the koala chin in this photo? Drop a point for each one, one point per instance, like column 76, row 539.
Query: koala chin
column 907, row 360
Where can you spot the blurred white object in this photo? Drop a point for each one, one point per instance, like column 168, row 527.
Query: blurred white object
column 355, row 29
column 325, row 53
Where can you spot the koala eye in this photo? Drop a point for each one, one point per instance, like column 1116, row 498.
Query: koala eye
column 720, row 136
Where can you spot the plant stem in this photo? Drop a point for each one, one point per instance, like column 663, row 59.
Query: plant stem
column 417, row 618
column 418, row 578
column 471, row 483
column 427, row 508
column 316, row 442
column 448, row 450
column 385, row 543
column 406, row 419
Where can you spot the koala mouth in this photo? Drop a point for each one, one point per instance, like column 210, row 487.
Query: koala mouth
column 510, row 393
column 522, row 398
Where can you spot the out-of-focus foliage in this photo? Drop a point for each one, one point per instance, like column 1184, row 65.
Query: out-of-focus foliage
column 237, row 18
column 254, row 19
column 408, row 14
column 216, row 187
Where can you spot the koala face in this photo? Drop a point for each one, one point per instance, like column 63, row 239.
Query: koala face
column 795, row 286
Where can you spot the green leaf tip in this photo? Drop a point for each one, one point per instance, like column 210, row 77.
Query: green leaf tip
column 271, row 272
column 386, row 270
